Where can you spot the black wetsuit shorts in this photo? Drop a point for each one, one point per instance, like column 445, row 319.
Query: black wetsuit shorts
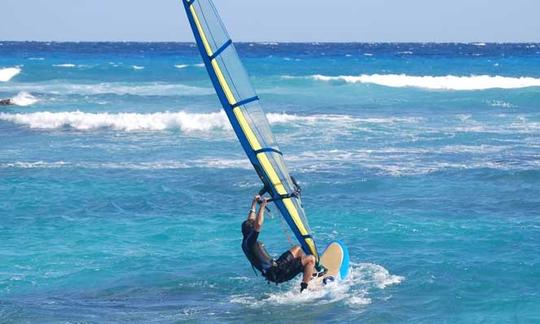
column 285, row 268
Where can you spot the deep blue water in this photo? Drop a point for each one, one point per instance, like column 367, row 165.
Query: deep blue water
column 122, row 187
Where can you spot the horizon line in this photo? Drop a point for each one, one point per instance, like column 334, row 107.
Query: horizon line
column 274, row 42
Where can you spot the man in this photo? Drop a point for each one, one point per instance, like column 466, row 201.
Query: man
column 287, row 266
column 6, row 102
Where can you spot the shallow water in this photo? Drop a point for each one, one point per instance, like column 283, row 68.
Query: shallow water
column 123, row 186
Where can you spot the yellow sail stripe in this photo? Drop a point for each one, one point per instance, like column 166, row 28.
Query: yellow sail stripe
column 252, row 138
column 201, row 32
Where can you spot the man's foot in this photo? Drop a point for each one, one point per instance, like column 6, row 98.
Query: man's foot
column 303, row 286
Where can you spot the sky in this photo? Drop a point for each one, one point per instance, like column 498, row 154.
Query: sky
column 276, row 20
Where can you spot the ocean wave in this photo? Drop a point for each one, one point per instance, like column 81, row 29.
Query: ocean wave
column 184, row 121
column 7, row 74
column 118, row 88
column 121, row 121
column 355, row 291
column 449, row 82
column 137, row 67
column 24, row 99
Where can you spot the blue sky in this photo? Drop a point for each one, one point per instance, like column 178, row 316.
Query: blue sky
column 276, row 20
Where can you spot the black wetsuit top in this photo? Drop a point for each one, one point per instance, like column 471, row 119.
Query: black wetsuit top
column 256, row 252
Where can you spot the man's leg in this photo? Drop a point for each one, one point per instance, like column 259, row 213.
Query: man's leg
column 308, row 262
column 296, row 251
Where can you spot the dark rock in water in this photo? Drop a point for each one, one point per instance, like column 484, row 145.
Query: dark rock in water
column 6, row 102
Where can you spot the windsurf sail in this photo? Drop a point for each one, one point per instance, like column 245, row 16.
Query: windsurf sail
column 241, row 104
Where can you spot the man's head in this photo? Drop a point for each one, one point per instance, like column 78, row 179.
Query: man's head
column 247, row 226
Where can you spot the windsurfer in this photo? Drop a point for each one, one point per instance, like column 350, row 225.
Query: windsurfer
column 287, row 266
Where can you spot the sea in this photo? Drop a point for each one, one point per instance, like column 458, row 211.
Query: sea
column 123, row 186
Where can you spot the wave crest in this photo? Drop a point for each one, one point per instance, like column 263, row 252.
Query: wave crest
column 121, row 121
column 449, row 82
column 24, row 99
column 184, row 121
column 8, row 73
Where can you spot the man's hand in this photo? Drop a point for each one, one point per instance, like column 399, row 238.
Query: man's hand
column 255, row 201
column 264, row 202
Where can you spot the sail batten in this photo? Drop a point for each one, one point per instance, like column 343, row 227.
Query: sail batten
column 241, row 104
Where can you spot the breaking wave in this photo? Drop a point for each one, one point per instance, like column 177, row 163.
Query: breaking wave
column 121, row 121
column 449, row 82
column 7, row 74
column 24, row 99
column 184, row 121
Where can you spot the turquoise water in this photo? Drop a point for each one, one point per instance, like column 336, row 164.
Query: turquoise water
column 123, row 187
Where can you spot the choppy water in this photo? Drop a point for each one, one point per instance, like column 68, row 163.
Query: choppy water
column 122, row 185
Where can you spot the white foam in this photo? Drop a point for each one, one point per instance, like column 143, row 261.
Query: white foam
column 65, row 65
column 449, row 82
column 376, row 275
column 121, row 121
column 500, row 103
column 7, row 74
column 137, row 67
column 153, row 165
column 119, row 88
column 407, row 161
column 180, row 66
column 184, row 121
column 34, row 165
column 24, row 99
column 199, row 65
column 343, row 120
column 283, row 118
column 363, row 279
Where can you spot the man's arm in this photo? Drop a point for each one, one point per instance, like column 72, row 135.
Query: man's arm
column 251, row 214
column 260, row 216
